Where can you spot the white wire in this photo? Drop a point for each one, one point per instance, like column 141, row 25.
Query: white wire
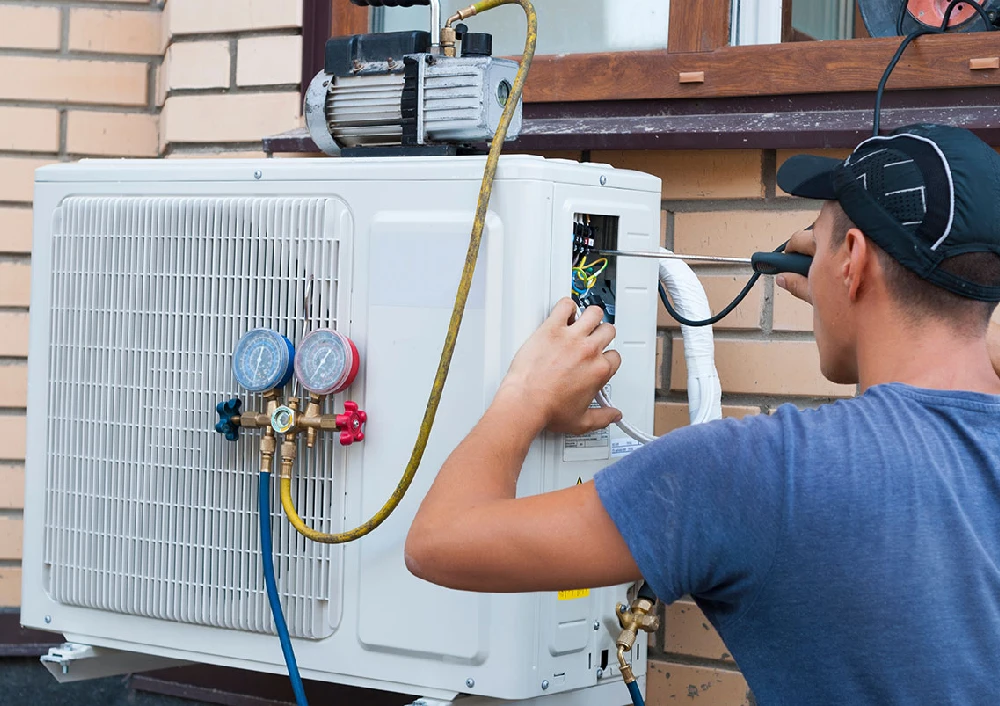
column 704, row 390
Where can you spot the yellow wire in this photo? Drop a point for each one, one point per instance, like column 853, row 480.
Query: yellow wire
column 461, row 298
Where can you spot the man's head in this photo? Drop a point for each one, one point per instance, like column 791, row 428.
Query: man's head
column 911, row 229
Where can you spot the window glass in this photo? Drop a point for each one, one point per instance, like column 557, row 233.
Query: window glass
column 760, row 21
column 823, row 19
column 564, row 26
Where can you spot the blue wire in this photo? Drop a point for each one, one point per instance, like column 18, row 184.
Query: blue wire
column 633, row 690
column 267, row 556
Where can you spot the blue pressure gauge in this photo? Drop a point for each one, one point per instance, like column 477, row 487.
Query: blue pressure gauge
column 264, row 360
column 327, row 362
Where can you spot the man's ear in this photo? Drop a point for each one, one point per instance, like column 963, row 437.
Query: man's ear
column 857, row 265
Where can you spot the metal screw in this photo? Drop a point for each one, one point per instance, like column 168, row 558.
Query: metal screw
column 604, row 181
column 600, row 673
column 545, row 685
column 470, row 683
column 48, row 618
column 597, row 625
column 258, row 174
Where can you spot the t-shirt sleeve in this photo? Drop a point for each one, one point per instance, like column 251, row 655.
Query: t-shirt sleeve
column 701, row 508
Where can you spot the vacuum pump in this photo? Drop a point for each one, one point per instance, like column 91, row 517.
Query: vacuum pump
column 430, row 91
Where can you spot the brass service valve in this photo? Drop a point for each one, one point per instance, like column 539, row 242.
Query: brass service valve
column 638, row 617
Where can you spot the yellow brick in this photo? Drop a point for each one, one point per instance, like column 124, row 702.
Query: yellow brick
column 14, row 338
column 791, row 313
column 15, row 230
column 696, row 174
column 13, row 437
column 112, row 134
column 688, row 632
column 17, row 177
column 10, row 587
column 235, row 118
column 269, row 61
column 766, row 368
column 670, row 683
column 736, row 233
column 29, row 27
column 29, row 129
column 197, row 65
column 14, row 386
column 24, row 78
column 668, row 416
column 206, row 16
column 11, row 487
column 783, row 156
column 15, row 284
column 721, row 291
column 115, row 31
column 11, row 537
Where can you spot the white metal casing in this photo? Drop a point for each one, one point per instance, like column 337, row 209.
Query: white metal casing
column 141, row 525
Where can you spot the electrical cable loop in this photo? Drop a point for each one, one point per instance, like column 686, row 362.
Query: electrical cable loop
column 877, row 123
column 465, row 285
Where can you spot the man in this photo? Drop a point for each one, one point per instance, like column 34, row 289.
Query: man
column 847, row 555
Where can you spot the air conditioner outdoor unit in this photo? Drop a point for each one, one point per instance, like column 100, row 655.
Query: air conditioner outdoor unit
column 141, row 521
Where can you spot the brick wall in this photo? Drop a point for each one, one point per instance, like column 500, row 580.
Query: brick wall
column 231, row 75
column 76, row 80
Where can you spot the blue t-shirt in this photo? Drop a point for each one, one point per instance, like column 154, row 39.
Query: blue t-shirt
column 847, row 555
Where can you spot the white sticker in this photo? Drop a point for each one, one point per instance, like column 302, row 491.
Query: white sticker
column 623, row 447
column 594, row 446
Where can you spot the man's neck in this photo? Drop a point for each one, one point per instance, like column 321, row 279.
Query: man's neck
column 931, row 354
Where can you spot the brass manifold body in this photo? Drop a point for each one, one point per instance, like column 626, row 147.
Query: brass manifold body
column 639, row 617
column 287, row 421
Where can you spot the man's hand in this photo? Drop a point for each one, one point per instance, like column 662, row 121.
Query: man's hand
column 562, row 367
column 804, row 243
column 472, row 533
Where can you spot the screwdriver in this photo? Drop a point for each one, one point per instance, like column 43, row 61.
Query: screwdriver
column 765, row 263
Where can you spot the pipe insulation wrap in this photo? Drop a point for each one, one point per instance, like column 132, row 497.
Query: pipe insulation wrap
column 704, row 388
column 691, row 302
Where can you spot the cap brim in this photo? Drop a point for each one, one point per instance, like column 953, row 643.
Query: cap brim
column 809, row 176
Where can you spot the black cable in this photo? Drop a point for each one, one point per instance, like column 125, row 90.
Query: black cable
column 722, row 314
column 715, row 319
column 909, row 38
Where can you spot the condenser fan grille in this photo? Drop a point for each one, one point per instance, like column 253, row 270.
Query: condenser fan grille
column 150, row 512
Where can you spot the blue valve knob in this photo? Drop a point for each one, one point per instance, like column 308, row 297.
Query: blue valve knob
column 228, row 410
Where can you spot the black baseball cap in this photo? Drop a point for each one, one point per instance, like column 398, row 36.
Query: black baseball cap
column 924, row 194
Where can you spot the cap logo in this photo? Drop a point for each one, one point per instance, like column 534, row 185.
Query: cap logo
column 947, row 169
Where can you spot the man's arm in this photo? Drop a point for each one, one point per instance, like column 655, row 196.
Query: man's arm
column 797, row 285
column 471, row 532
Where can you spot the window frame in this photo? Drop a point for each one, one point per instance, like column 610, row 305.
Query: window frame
column 637, row 99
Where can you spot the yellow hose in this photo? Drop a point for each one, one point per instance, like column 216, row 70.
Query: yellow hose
column 455, row 324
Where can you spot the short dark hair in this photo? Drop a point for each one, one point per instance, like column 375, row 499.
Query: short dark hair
column 920, row 298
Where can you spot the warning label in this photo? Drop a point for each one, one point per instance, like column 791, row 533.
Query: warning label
column 574, row 595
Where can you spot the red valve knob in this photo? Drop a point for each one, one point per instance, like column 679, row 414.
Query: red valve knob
column 351, row 424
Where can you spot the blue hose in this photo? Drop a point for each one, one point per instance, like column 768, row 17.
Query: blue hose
column 633, row 690
column 267, row 556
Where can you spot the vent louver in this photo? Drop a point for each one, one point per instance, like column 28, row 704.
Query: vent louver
column 149, row 511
